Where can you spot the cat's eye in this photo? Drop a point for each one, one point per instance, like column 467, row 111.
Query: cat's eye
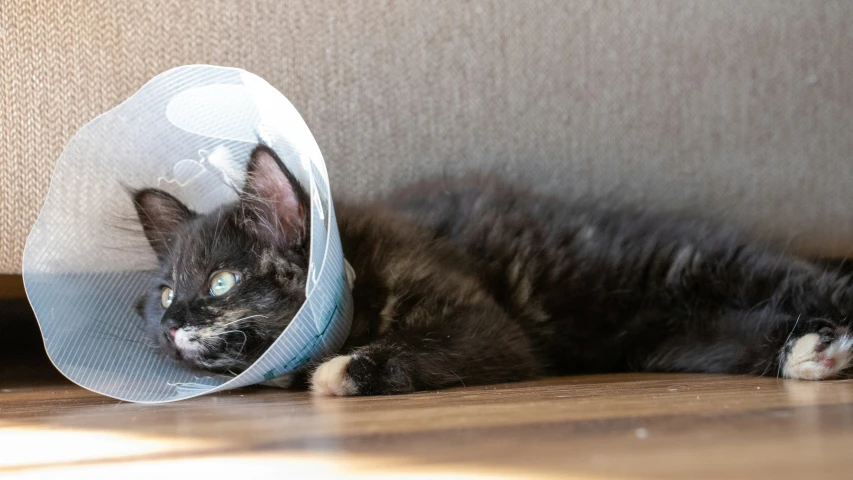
column 166, row 297
column 221, row 282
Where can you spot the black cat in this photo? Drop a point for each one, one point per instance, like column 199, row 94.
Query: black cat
column 477, row 281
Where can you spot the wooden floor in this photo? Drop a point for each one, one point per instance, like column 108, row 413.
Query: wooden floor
column 622, row 426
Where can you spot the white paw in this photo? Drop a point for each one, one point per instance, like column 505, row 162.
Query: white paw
column 330, row 378
column 810, row 358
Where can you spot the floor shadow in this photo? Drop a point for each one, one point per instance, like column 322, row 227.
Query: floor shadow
column 23, row 360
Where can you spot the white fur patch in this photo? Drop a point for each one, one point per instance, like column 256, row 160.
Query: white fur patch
column 805, row 362
column 232, row 172
column 330, row 378
column 186, row 341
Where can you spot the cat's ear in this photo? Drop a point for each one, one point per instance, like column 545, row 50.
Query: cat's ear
column 276, row 201
column 161, row 216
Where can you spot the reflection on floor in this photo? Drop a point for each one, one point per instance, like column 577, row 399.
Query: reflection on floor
column 618, row 426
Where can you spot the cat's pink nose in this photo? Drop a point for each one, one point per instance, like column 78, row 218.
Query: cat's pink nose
column 173, row 331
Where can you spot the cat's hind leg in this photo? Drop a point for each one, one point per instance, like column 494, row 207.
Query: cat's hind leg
column 820, row 355
column 763, row 342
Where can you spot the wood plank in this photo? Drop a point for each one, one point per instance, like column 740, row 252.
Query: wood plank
column 12, row 286
column 634, row 426
column 620, row 426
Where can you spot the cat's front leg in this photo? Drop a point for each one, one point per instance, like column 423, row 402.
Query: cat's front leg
column 476, row 347
column 374, row 372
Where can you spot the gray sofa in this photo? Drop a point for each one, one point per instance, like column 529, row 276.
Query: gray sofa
column 739, row 108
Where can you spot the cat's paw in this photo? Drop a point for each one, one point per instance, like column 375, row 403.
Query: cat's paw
column 331, row 379
column 818, row 356
column 365, row 372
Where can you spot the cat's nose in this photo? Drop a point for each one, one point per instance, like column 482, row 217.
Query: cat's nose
column 172, row 325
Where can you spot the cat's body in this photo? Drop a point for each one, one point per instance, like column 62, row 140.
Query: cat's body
column 478, row 281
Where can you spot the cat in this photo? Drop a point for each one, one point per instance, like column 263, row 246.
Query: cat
column 478, row 281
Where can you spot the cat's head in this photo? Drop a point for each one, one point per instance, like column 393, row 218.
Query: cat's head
column 231, row 280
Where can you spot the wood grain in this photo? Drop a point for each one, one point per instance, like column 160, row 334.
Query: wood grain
column 593, row 427
column 12, row 286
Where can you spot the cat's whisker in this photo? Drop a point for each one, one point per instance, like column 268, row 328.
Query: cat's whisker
column 220, row 337
column 233, row 331
column 244, row 318
column 243, row 345
column 218, row 229
column 782, row 353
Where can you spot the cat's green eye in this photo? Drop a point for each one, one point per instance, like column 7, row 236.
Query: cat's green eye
column 221, row 282
column 166, row 297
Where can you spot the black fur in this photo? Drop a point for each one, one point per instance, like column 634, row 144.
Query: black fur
column 479, row 281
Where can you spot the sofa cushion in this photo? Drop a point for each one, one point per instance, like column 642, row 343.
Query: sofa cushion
column 739, row 109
